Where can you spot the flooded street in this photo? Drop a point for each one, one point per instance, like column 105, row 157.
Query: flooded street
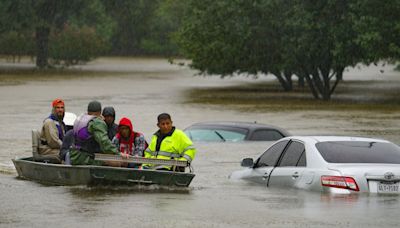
column 140, row 89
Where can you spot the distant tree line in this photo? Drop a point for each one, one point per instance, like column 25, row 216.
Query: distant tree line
column 70, row 32
column 311, row 40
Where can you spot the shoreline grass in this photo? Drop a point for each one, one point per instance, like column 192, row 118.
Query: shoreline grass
column 268, row 96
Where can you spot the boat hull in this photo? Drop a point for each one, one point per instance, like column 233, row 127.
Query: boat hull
column 58, row 174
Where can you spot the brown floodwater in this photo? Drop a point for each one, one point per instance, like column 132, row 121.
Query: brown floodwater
column 140, row 89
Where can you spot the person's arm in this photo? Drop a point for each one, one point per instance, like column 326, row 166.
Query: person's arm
column 66, row 143
column 140, row 145
column 98, row 128
column 51, row 134
column 149, row 150
column 187, row 150
column 115, row 141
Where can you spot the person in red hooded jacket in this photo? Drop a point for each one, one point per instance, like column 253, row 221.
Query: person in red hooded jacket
column 129, row 141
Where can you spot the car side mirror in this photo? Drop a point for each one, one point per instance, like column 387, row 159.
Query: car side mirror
column 247, row 162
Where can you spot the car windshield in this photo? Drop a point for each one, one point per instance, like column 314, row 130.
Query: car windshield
column 215, row 135
column 359, row 152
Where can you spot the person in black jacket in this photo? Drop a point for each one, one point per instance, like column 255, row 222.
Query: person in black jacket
column 109, row 117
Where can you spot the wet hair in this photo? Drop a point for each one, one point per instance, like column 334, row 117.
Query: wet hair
column 108, row 111
column 94, row 106
column 163, row 116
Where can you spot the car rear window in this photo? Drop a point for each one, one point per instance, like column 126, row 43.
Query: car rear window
column 266, row 135
column 359, row 152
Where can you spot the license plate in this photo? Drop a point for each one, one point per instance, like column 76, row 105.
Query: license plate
column 391, row 187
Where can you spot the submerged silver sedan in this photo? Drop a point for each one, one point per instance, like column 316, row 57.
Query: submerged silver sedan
column 333, row 164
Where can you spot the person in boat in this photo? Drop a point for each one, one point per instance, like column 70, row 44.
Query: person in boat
column 169, row 143
column 129, row 141
column 68, row 139
column 109, row 117
column 53, row 131
column 90, row 135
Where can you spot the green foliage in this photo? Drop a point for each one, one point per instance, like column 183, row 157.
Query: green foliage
column 210, row 39
column 132, row 27
column 45, row 17
column 16, row 45
column 145, row 27
column 311, row 39
column 132, row 20
column 377, row 24
column 94, row 15
column 163, row 24
column 75, row 45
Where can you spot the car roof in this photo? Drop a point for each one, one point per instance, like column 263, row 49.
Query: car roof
column 239, row 124
column 335, row 138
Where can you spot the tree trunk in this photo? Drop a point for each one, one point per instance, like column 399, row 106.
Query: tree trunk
column 321, row 84
column 42, row 45
column 285, row 80
column 311, row 85
column 301, row 82
column 322, row 81
column 339, row 77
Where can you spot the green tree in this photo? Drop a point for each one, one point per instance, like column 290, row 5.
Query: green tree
column 132, row 19
column 43, row 16
column 377, row 24
column 75, row 45
column 312, row 39
column 145, row 27
column 320, row 37
column 163, row 25
column 16, row 44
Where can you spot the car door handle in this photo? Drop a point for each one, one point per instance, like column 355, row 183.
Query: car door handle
column 295, row 175
column 265, row 176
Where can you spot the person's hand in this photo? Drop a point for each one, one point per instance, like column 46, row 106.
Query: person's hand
column 124, row 155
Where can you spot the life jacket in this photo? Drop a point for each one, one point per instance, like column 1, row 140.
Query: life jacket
column 83, row 139
column 174, row 145
column 60, row 126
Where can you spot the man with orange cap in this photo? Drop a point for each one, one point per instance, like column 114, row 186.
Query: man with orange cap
column 53, row 131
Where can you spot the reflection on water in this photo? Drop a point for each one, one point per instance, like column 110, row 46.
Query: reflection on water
column 99, row 191
column 141, row 90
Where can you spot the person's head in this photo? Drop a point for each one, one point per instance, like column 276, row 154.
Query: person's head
column 164, row 123
column 94, row 108
column 125, row 127
column 58, row 108
column 69, row 120
column 109, row 115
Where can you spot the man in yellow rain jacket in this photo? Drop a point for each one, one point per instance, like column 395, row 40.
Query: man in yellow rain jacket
column 169, row 143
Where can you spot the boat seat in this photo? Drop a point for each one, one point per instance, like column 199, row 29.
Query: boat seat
column 35, row 150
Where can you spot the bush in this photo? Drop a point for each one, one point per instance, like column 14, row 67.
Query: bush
column 15, row 45
column 75, row 45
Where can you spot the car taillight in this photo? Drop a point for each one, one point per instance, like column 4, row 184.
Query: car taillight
column 340, row 182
